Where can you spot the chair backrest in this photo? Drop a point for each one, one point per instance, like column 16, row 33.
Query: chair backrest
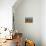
column 18, row 39
column 29, row 43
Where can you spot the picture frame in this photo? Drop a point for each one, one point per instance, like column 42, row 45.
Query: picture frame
column 28, row 19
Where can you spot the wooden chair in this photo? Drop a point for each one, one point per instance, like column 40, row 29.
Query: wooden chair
column 18, row 39
column 29, row 43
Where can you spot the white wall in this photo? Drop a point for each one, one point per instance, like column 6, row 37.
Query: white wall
column 32, row 9
column 29, row 8
column 43, row 22
column 6, row 13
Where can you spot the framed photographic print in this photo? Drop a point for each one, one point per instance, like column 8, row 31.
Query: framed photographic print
column 28, row 19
